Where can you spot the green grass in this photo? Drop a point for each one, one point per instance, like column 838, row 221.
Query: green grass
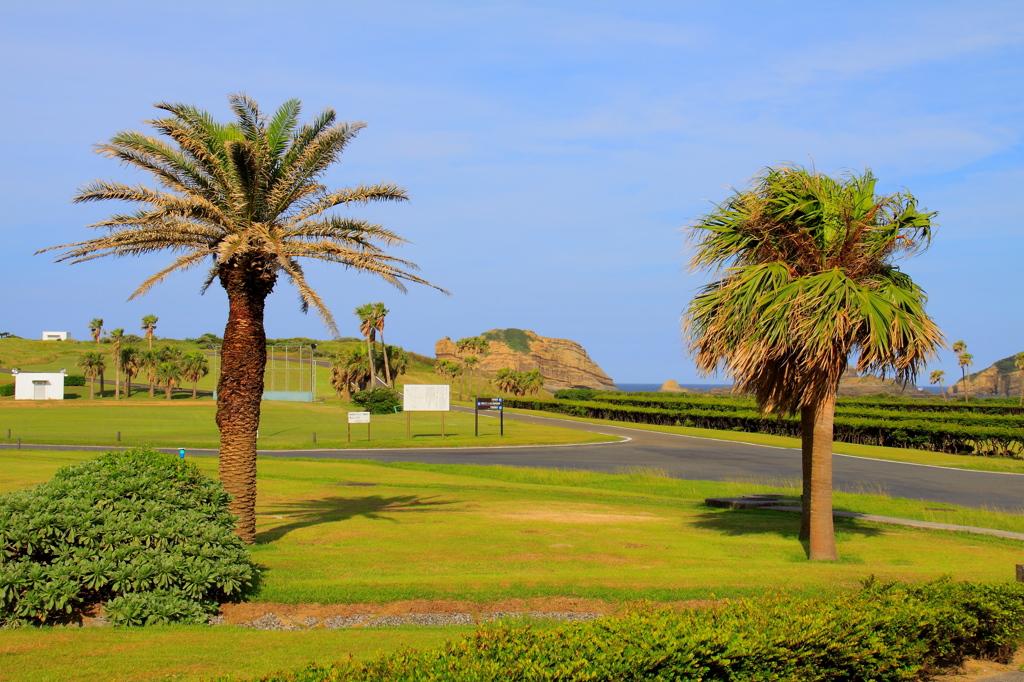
column 927, row 457
column 482, row 534
column 188, row 423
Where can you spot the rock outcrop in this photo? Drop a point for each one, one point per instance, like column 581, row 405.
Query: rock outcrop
column 672, row 386
column 1000, row 380
column 562, row 363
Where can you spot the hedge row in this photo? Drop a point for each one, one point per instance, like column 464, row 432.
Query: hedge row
column 885, row 632
column 997, row 441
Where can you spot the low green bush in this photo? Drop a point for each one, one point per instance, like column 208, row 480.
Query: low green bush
column 886, row 632
column 6, row 390
column 575, row 394
column 74, row 380
column 377, row 400
column 145, row 534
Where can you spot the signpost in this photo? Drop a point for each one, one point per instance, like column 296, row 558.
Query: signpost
column 425, row 398
column 358, row 418
column 488, row 404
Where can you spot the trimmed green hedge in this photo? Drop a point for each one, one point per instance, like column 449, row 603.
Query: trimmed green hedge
column 886, row 632
column 996, row 440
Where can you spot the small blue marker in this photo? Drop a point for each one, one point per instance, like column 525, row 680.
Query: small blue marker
column 181, row 453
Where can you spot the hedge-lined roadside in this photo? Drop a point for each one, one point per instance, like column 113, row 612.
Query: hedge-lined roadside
column 942, row 436
column 885, row 632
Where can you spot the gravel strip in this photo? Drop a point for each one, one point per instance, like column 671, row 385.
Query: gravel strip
column 271, row 621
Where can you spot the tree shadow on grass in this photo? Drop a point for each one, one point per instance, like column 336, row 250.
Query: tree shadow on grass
column 736, row 522
column 307, row 513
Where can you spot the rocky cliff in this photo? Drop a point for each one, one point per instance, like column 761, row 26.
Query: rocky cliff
column 562, row 363
column 1001, row 380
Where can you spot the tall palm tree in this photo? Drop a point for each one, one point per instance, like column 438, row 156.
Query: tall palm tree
column 350, row 368
column 470, row 362
column 168, row 374
column 966, row 360
column 399, row 362
column 936, row 377
column 194, row 366
column 1018, row 362
column 380, row 312
column 246, row 198
column 148, row 321
column 367, row 314
column 130, row 362
column 809, row 280
column 96, row 329
column 117, row 335
column 149, row 360
column 958, row 349
column 92, row 365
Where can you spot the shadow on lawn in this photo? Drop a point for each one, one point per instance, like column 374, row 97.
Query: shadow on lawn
column 786, row 524
column 312, row 512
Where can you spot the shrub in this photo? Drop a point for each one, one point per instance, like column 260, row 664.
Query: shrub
column 885, row 632
column 141, row 532
column 74, row 380
column 6, row 390
column 575, row 394
column 377, row 400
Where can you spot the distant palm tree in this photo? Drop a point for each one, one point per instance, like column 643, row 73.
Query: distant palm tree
column 129, row 362
column 117, row 335
column 149, row 360
column 149, row 326
column 380, row 312
column 965, row 360
column 96, row 329
column 958, row 348
column 399, row 362
column 168, row 374
column 194, row 366
column 507, row 380
column 470, row 362
column 367, row 314
column 533, row 381
column 1018, row 362
column 92, row 365
column 350, row 368
column 936, row 378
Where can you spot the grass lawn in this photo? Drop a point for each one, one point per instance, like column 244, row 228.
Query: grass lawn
column 190, row 423
column 340, row 531
column 997, row 464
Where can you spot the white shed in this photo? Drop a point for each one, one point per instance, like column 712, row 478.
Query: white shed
column 39, row 386
column 55, row 336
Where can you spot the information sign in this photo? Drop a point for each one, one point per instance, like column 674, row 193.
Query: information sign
column 358, row 417
column 489, row 403
column 425, row 398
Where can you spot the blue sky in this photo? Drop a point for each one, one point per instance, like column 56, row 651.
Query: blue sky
column 553, row 150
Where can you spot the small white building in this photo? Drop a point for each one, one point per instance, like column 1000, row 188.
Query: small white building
column 39, row 386
column 55, row 336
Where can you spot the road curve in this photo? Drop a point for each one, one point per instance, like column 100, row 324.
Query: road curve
column 691, row 457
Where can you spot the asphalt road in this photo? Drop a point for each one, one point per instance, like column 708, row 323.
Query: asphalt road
column 704, row 459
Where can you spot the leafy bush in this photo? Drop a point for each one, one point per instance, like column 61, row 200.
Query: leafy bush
column 516, row 339
column 885, row 632
column 6, row 390
column 377, row 400
column 575, row 394
column 141, row 532
column 74, row 380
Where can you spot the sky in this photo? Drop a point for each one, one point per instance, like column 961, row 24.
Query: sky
column 554, row 152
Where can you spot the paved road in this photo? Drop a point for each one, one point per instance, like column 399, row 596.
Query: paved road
column 705, row 459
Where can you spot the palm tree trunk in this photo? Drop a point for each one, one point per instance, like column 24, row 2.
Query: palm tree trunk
column 128, row 384
column 167, row 391
column 807, row 466
column 387, row 366
column 101, row 384
column 942, row 390
column 195, row 385
column 117, row 382
column 152, row 385
column 822, row 532
column 92, row 387
column 963, row 372
column 369, row 358
column 240, row 389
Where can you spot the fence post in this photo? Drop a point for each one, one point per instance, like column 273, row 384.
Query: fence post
column 314, row 438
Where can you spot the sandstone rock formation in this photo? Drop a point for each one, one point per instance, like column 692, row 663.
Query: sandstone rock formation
column 672, row 386
column 562, row 363
column 1000, row 380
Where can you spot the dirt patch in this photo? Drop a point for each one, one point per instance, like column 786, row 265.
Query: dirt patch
column 975, row 671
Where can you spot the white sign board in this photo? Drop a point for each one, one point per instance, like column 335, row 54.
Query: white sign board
column 358, row 417
column 421, row 398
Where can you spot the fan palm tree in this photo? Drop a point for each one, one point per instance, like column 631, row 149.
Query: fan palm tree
column 533, row 381
column 399, row 362
column 808, row 281
column 936, row 377
column 148, row 322
column 1018, row 362
column 168, row 374
column 96, row 330
column 129, row 362
column 507, row 380
column 117, row 335
column 367, row 314
column 92, row 365
column 966, row 360
column 379, row 313
column 470, row 362
column 246, row 198
column 350, row 368
column 194, row 366
column 149, row 360
column 958, row 349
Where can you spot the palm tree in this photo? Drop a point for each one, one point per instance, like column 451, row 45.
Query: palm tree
column 149, row 360
column 96, row 329
column 92, row 365
column 117, row 335
column 168, row 374
column 149, row 325
column 966, row 360
column 936, row 377
column 130, row 362
column 347, row 369
column 507, row 380
column 1018, row 362
column 470, row 362
column 379, row 313
column 958, row 348
column 533, row 382
column 399, row 362
column 194, row 366
column 245, row 197
column 809, row 280
column 367, row 314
